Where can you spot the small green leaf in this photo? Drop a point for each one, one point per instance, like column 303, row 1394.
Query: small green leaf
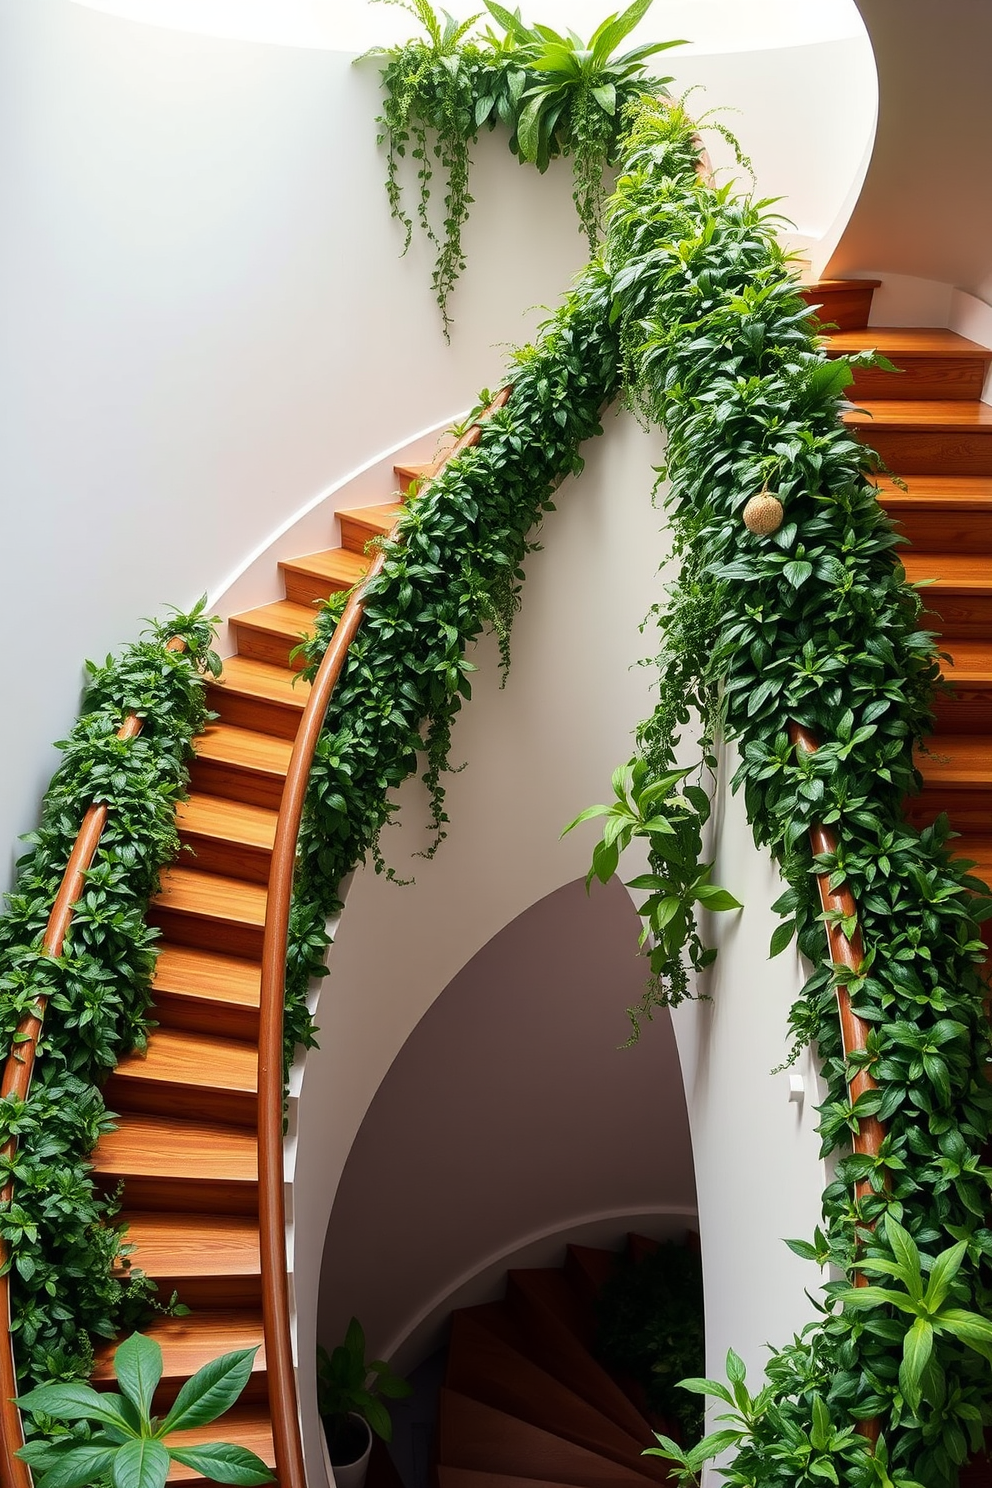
column 223, row 1463
column 138, row 1366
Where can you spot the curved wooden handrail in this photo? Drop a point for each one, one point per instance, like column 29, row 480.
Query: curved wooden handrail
column 287, row 1439
column 840, row 903
column 17, row 1075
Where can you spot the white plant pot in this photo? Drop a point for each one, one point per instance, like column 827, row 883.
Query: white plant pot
column 352, row 1475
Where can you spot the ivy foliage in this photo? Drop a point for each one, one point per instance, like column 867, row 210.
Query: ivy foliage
column 555, row 95
column 815, row 623
column 68, row 1280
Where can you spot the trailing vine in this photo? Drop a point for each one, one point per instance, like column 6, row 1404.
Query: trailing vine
column 556, row 96
column 814, row 622
column 68, row 1279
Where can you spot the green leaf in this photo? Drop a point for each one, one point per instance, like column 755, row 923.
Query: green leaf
column 906, row 1253
column 81, row 1465
column 586, row 815
column 140, row 1464
column 781, row 937
column 211, row 1391
column 611, row 32
column 138, row 1366
column 716, row 899
column 970, row 1327
column 74, row 1401
column 916, row 1350
column 223, row 1463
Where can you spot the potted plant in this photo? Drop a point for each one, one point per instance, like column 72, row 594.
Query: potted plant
column 347, row 1391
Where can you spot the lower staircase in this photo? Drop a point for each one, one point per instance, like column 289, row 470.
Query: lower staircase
column 525, row 1403
column 185, row 1149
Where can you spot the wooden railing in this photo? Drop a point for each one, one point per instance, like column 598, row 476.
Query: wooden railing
column 17, row 1075
column 839, row 904
column 287, row 1439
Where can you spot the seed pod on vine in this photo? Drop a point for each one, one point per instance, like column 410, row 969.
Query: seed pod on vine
column 764, row 513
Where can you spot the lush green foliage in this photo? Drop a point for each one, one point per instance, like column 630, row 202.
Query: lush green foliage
column 647, row 805
column 556, row 95
column 347, row 1383
column 453, row 567
column 68, row 1282
column 815, row 623
column 125, row 1442
column 649, row 1324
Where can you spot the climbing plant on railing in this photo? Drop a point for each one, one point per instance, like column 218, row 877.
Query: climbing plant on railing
column 68, row 1282
column 554, row 94
column 813, row 622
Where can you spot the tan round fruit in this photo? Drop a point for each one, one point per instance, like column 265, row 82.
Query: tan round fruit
column 763, row 514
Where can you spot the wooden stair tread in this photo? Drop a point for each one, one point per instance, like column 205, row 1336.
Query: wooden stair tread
column 378, row 519
column 194, row 1059
column 212, row 896
column 206, row 1245
column 244, row 1426
column 485, row 1367
column 158, row 1147
column 932, row 414
column 956, row 760
column 336, row 565
column 262, row 679
column 911, row 340
column 969, row 573
column 965, row 492
column 589, row 1268
column 975, row 849
column 223, row 743
column 207, row 974
column 282, row 617
column 231, row 821
column 474, row 1435
column 187, row 1343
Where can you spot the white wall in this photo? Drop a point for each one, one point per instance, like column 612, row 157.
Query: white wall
column 537, row 753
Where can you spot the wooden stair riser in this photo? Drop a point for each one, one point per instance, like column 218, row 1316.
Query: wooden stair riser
column 184, row 1102
column 845, row 306
column 258, row 713
column 236, row 782
column 220, row 855
column 953, row 615
column 201, row 1292
column 180, row 1193
column 206, row 993
column 918, row 451
column 943, row 530
column 273, row 646
column 919, row 377
column 208, row 933
column 968, row 810
column 358, row 529
column 407, row 474
column 204, row 1015
column 969, row 711
column 306, row 587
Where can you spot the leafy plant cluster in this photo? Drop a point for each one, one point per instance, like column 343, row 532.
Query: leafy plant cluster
column 115, row 1438
column 348, row 1384
column 649, row 1325
column 555, row 95
column 69, row 1277
column 815, row 623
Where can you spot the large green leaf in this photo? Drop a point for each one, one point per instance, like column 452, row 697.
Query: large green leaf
column 211, row 1391
column 916, row 1350
column 74, row 1401
column 140, row 1464
column 224, row 1463
column 138, row 1366
column 78, row 1466
column 610, row 33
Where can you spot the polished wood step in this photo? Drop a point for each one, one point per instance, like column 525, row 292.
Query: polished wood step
column 244, row 1426
column 312, row 579
column 484, row 1367
column 259, row 695
column 190, row 1166
column 956, row 593
column 968, row 671
column 558, row 1334
column 473, row 1435
column 844, row 304
column 941, row 514
column 360, row 524
column 918, row 436
column 187, row 1343
column 957, row 778
column 241, row 765
column 210, row 911
column 407, row 474
column 272, row 632
column 233, row 838
column 189, row 1076
column 588, row 1269
column 210, row 1260
column 932, row 363
column 207, row 992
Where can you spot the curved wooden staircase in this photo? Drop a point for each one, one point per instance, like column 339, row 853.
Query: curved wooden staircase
column 186, row 1148
column 525, row 1403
